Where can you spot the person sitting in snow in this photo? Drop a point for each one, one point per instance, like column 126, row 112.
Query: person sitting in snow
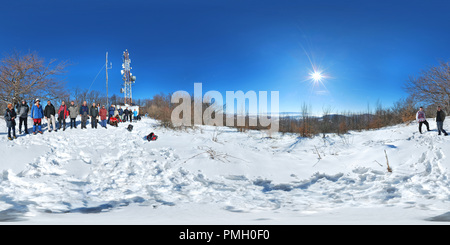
column 420, row 117
column 114, row 121
column 440, row 117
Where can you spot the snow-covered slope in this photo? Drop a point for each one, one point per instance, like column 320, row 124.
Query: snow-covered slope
column 211, row 175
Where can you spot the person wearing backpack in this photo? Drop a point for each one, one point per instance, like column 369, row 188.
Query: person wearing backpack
column 440, row 117
column 420, row 117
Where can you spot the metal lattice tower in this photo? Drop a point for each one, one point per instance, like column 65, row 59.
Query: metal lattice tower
column 128, row 78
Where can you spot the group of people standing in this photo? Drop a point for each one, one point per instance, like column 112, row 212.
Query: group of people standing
column 96, row 113
column 440, row 117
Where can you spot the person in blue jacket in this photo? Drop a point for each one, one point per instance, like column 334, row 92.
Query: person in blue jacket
column 111, row 112
column 135, row 114
column 37, row 113
column 84, row 113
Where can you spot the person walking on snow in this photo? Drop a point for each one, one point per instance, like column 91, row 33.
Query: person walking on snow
column 440, row 117
column 63, row 113
column 37, row 113
column 420, row 117
column 10, row 118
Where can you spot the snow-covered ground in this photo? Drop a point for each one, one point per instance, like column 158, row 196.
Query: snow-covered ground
column 209, row 175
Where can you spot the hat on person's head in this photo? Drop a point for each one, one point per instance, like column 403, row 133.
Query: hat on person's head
column 36, row 100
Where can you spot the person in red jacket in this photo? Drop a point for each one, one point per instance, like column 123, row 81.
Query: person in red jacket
column 63, row 113
column 103, row 116
column 114, row 121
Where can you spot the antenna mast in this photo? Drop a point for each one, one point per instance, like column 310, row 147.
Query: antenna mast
column 128, row 78
column 106, row 69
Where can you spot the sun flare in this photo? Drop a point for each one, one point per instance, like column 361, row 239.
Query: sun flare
column 317, row 76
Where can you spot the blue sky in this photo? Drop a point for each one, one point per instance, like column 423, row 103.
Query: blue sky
column 367, row 48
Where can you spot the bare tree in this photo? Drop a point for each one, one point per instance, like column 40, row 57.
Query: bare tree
column 27, row 76
column 114, row 99
column 432, row 86
column 306, row 127
column 80, row 95
column 326, row 124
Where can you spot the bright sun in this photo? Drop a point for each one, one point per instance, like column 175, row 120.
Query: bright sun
column 316, row 76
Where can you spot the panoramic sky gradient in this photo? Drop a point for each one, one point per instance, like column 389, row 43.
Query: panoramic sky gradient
column 365, row 49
